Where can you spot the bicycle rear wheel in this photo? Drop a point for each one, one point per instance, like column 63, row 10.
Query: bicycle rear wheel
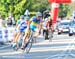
column 45, row 36
column 50, row 35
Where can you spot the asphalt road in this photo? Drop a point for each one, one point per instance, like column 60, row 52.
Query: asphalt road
column 61, row 47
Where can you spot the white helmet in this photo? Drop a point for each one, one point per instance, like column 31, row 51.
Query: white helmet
column 39, row 14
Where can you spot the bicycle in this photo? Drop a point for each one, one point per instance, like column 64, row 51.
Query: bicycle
column 30, row 42
column 48, row 34
column 28, row 45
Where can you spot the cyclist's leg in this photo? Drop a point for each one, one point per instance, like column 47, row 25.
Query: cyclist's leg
column 25, row 38
column 15, row 34
column 43, row 32
column 18, row 34
column 15, row 43
column 46, row 33
column 50, row 32
column 36, row 34
column 17, row 37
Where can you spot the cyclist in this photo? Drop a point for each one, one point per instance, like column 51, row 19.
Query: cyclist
column 45, row 30
column 47, row 27
column 49, row 23
column 35, row 23
column 17, row 26
column 22, row 28
column 25, row 38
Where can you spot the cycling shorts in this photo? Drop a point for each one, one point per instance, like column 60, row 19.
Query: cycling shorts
column 34, row 28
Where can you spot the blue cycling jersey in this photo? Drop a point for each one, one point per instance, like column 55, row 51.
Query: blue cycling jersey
column 35, row 22
column 23, row 24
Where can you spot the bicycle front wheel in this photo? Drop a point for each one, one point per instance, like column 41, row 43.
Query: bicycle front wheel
column 29, row 44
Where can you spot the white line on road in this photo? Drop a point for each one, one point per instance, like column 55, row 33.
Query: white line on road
column 69, row 47
column 64, row 41
column 37, row 50
column 5, row 46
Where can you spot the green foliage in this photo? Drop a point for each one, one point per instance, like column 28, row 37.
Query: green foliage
column 18, row 7
column 40, row 5
column 64, row 10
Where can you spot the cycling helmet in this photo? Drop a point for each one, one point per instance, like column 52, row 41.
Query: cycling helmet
column 39, row 14
column 27, row 18
column 22, row 16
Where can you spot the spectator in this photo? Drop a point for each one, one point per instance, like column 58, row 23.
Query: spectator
column 12, row 18
column 1, row 21
column 10, row 21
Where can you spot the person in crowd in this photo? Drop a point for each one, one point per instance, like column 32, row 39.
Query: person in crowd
column 1, row 21
column 10, row 21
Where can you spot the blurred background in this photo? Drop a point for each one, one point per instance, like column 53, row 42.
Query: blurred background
column 18, row 7
column 13, row 9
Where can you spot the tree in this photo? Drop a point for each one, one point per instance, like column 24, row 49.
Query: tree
column 64, row 10
column 18, row 7
column 40, row 5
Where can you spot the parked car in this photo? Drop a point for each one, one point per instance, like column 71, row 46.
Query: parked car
column 64, row 26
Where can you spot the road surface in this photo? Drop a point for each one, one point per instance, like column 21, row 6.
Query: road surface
column 61, row 47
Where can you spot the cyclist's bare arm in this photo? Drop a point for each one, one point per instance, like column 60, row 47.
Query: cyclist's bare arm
column 29, row 23
column 42, row 27
column 39, row 26
column 17, row 26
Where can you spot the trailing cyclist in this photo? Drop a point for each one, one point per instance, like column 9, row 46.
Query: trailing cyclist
column 22, row 28
column 17, row 26
column 48, row 26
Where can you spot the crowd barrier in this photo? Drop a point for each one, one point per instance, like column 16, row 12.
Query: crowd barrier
column 6, row 34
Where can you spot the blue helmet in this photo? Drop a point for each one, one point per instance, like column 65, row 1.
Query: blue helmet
column 27, row 18
column 22, row 16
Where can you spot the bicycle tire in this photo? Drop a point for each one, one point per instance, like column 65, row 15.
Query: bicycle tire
column 29, row 44
column 50, row 35
column 45, row 36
